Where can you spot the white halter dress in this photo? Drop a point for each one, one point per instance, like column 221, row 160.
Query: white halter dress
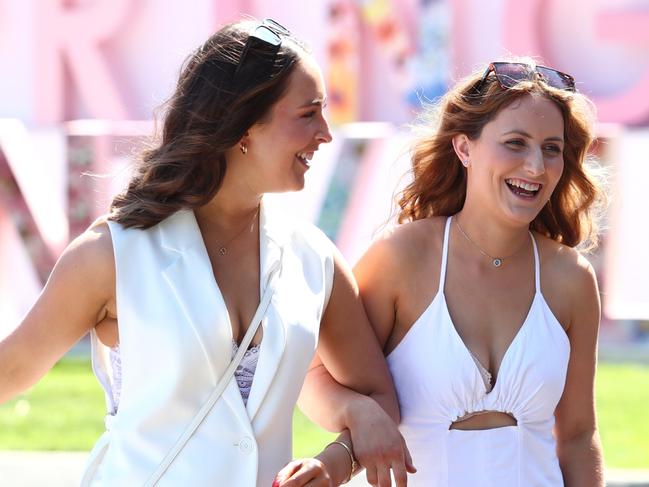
column 438, row 382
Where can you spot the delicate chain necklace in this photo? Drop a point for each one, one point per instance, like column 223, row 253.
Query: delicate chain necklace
column 223, row 248
column 496, row 261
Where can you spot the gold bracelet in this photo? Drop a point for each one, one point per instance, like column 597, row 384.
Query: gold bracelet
column 351, row 457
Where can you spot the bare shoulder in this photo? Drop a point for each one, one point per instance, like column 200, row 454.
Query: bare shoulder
column 76, row 297
column 89, row 258
column 404, row 245
column 94, row 247
column 571, row 268
column 568, row 280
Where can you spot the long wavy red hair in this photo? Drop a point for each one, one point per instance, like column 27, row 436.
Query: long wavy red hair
column 438, row 184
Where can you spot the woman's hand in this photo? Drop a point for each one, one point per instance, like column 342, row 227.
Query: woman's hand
column 308, row 472
column 378, row 444
column 375, row 438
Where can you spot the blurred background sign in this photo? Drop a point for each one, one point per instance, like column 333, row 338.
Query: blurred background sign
column 82, row 78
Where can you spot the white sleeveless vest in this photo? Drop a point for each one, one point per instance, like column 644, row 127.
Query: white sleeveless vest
column 175, row 342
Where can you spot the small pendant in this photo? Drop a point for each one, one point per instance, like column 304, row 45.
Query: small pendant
column 497, row 262
column 223, row 251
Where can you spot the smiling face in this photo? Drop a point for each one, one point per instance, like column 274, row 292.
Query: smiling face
column 517, row 161
column 281, row 148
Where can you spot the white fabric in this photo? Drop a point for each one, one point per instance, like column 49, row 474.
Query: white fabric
column 438, row 382
column 244, row 374
column 176, row 341
column 116, row 376
column 484, row 372
column 224, row 381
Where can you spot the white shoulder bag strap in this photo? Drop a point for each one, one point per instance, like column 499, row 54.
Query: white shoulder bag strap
column 220, row 387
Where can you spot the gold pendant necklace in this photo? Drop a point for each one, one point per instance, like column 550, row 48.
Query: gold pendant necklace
column 495, row 261
column 223, row 248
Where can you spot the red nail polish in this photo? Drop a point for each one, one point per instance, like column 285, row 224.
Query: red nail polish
column 275, row 483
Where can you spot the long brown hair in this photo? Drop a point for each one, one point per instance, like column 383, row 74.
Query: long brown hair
column 438, row 184
column 208, row 113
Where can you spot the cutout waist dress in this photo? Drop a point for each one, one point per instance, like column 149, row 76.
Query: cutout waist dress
column 439, row 382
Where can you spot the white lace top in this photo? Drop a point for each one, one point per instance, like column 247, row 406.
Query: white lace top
column 246, row 369
column 116, row 379
column 244, row 374
column 486, row 375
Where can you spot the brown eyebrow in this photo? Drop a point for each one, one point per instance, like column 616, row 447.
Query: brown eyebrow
column 525, row 134
column 316, row 102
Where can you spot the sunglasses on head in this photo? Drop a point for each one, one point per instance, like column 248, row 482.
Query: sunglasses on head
column 509, row 75
column 262, row 44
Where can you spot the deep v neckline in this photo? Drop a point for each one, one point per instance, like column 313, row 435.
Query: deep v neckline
column 219, row 293
column 441, row 295
column 473, row 357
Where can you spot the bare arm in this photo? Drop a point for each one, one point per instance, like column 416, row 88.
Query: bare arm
column 336, row 407
column 348, row 352
column 348, row 347
column 72, row 302
column 578, row 443
column 347, row 380
column 379, row 300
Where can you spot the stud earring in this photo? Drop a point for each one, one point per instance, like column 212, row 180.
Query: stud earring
column 244, row 148
column 465, row 163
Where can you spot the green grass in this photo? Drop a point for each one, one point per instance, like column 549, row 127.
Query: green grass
column 308, row 439
column 623, row 414
column 65, row 412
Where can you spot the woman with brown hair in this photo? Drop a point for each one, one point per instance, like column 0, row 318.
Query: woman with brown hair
column 205, row 303
column 490, row 314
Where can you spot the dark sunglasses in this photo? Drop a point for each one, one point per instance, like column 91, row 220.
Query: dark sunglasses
column 510, row 74
column 262, row 44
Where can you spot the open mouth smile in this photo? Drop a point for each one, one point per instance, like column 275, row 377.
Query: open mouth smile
column 522, row 188
column 305, row 158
